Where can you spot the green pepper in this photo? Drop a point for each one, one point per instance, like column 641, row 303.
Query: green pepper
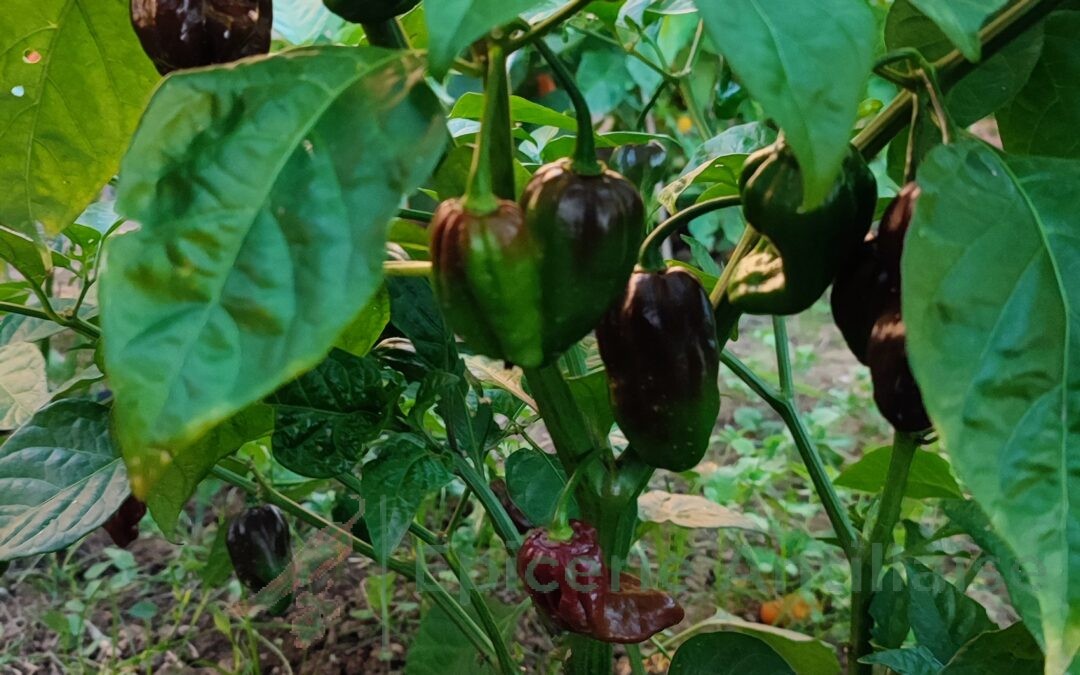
column 801, row 250
column 660, row 348
column 178, row 34
column 485, row 273
column 586, row 228
column 369, row 11
column 260, row 547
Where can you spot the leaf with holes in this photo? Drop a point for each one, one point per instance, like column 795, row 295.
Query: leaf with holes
column 264, row 190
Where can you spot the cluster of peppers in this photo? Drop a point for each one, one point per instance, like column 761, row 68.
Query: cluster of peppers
column 178, row 34
column 866, row 309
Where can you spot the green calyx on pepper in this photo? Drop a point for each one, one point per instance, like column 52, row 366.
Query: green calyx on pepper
column 801, row 251
column 369, row 11
column 866, row 309
column 660, row 347
column 179, row 34
column 260, row 547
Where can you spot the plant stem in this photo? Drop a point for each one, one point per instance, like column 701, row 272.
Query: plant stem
column 563, row 418
column 546, row 26
column 414, row 214
column 15, row 308
column 501, row 520
column 747, row 242
column 649, row 254
column 584, row 162
column 783, row 360
column 633, row 653
column 644, row 115
column 845, row 532
column 481, row 196
column 440, row 596
column 480, row 606
column 406, row 268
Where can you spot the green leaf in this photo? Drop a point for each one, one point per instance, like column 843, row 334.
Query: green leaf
column 807, row 63
column 182, row 476
column 1043, row 118
column 941, row 616
column 889, row 608
column 989, row 86
column 727, row 654
column 324, row 419
column 264, row 190
column 60, row 479
column 993, row 316
column 929, row 477
column 23, row 384
column 961, row 20
column 1010, row 651
column 522, row 111
column 590, row 393
column 415, row 312
column 912, row 661
column 73, row 81
column 534, row 480
column 218, row 567
column 29, row 257
column 394, row 485
column 802, row 653
column 440, row 648
column 455, row 24
column 361, row 335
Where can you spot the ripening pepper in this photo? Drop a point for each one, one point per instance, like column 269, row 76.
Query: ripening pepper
column 570, row 585
column 123, row 526
column 485, row 274
column 660, row 348
column 587, row 229
column 801, row 250
column 369, row 11
column 179, row 34
column 866, row 309
column 260, row 547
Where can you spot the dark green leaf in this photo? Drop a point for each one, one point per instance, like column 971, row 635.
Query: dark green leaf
column 930, row 476
column 394, row 485
column 60, row 478
column 75, row 81
column 218, row 566
column 941, row 616
column 324, row 419
column 913, row 661
column 522, row 111
column 889, row 609
column 961, row 21
column 361, row 335
column 415, row 312
column 804, row 654
column 992, row 308
column 264, row 190
column 454, row 24
column 182, row 476
column 1010, row 651
column 727, row 654
column 789, row 57
column 1043, row 118
column 534, row 480
column 440, row 648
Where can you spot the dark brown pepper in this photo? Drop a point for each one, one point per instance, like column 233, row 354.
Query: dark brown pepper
column 178, row 34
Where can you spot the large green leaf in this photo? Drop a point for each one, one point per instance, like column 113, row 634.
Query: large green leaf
column 961, row 20
column 1010, row 651
column 264, row 191
column 807, row 63
column 1043, row 118
column 929, row 477
column 324, row 419
column 394, row 485
column 73, row 81
column 455, row 24
column 802, row 653
column 60, row 478
column 23, row 385
column 440, row 648
column 190, row 467
column 992, row 305
column 534, row 480
column 941, row 616
column 727, row 654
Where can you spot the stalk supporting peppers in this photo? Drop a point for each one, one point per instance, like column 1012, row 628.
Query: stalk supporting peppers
column 260, row 547
column 369, row 11
column 866, row 309
column 801, row 251
column 569, row 583
column 660, row 348
column 123, row 526
column 179, row 34
column 586, row 229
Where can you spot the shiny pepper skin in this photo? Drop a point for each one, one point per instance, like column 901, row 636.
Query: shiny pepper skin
column 660, row 348
column 179, row 34
column 569, row 583
column 587, row 230
column 260, row 547
column 123, row 526
column 485, row 274
column 369, row 11
column 866, row 309
column 803, row 249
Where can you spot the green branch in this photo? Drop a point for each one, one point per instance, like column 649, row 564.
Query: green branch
column 546, row 26
column 649, row 254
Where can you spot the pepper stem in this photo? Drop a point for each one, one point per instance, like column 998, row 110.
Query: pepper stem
column 584, row 162
column 560, row 529
column 480, row 198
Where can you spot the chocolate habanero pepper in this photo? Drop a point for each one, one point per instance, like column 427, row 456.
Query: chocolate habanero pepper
column 123, row 526
column 801, row 250
column 178, row 34
column 660, row 348
column 260, row 547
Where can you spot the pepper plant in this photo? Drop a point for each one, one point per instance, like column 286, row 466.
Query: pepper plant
column 393, row 241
